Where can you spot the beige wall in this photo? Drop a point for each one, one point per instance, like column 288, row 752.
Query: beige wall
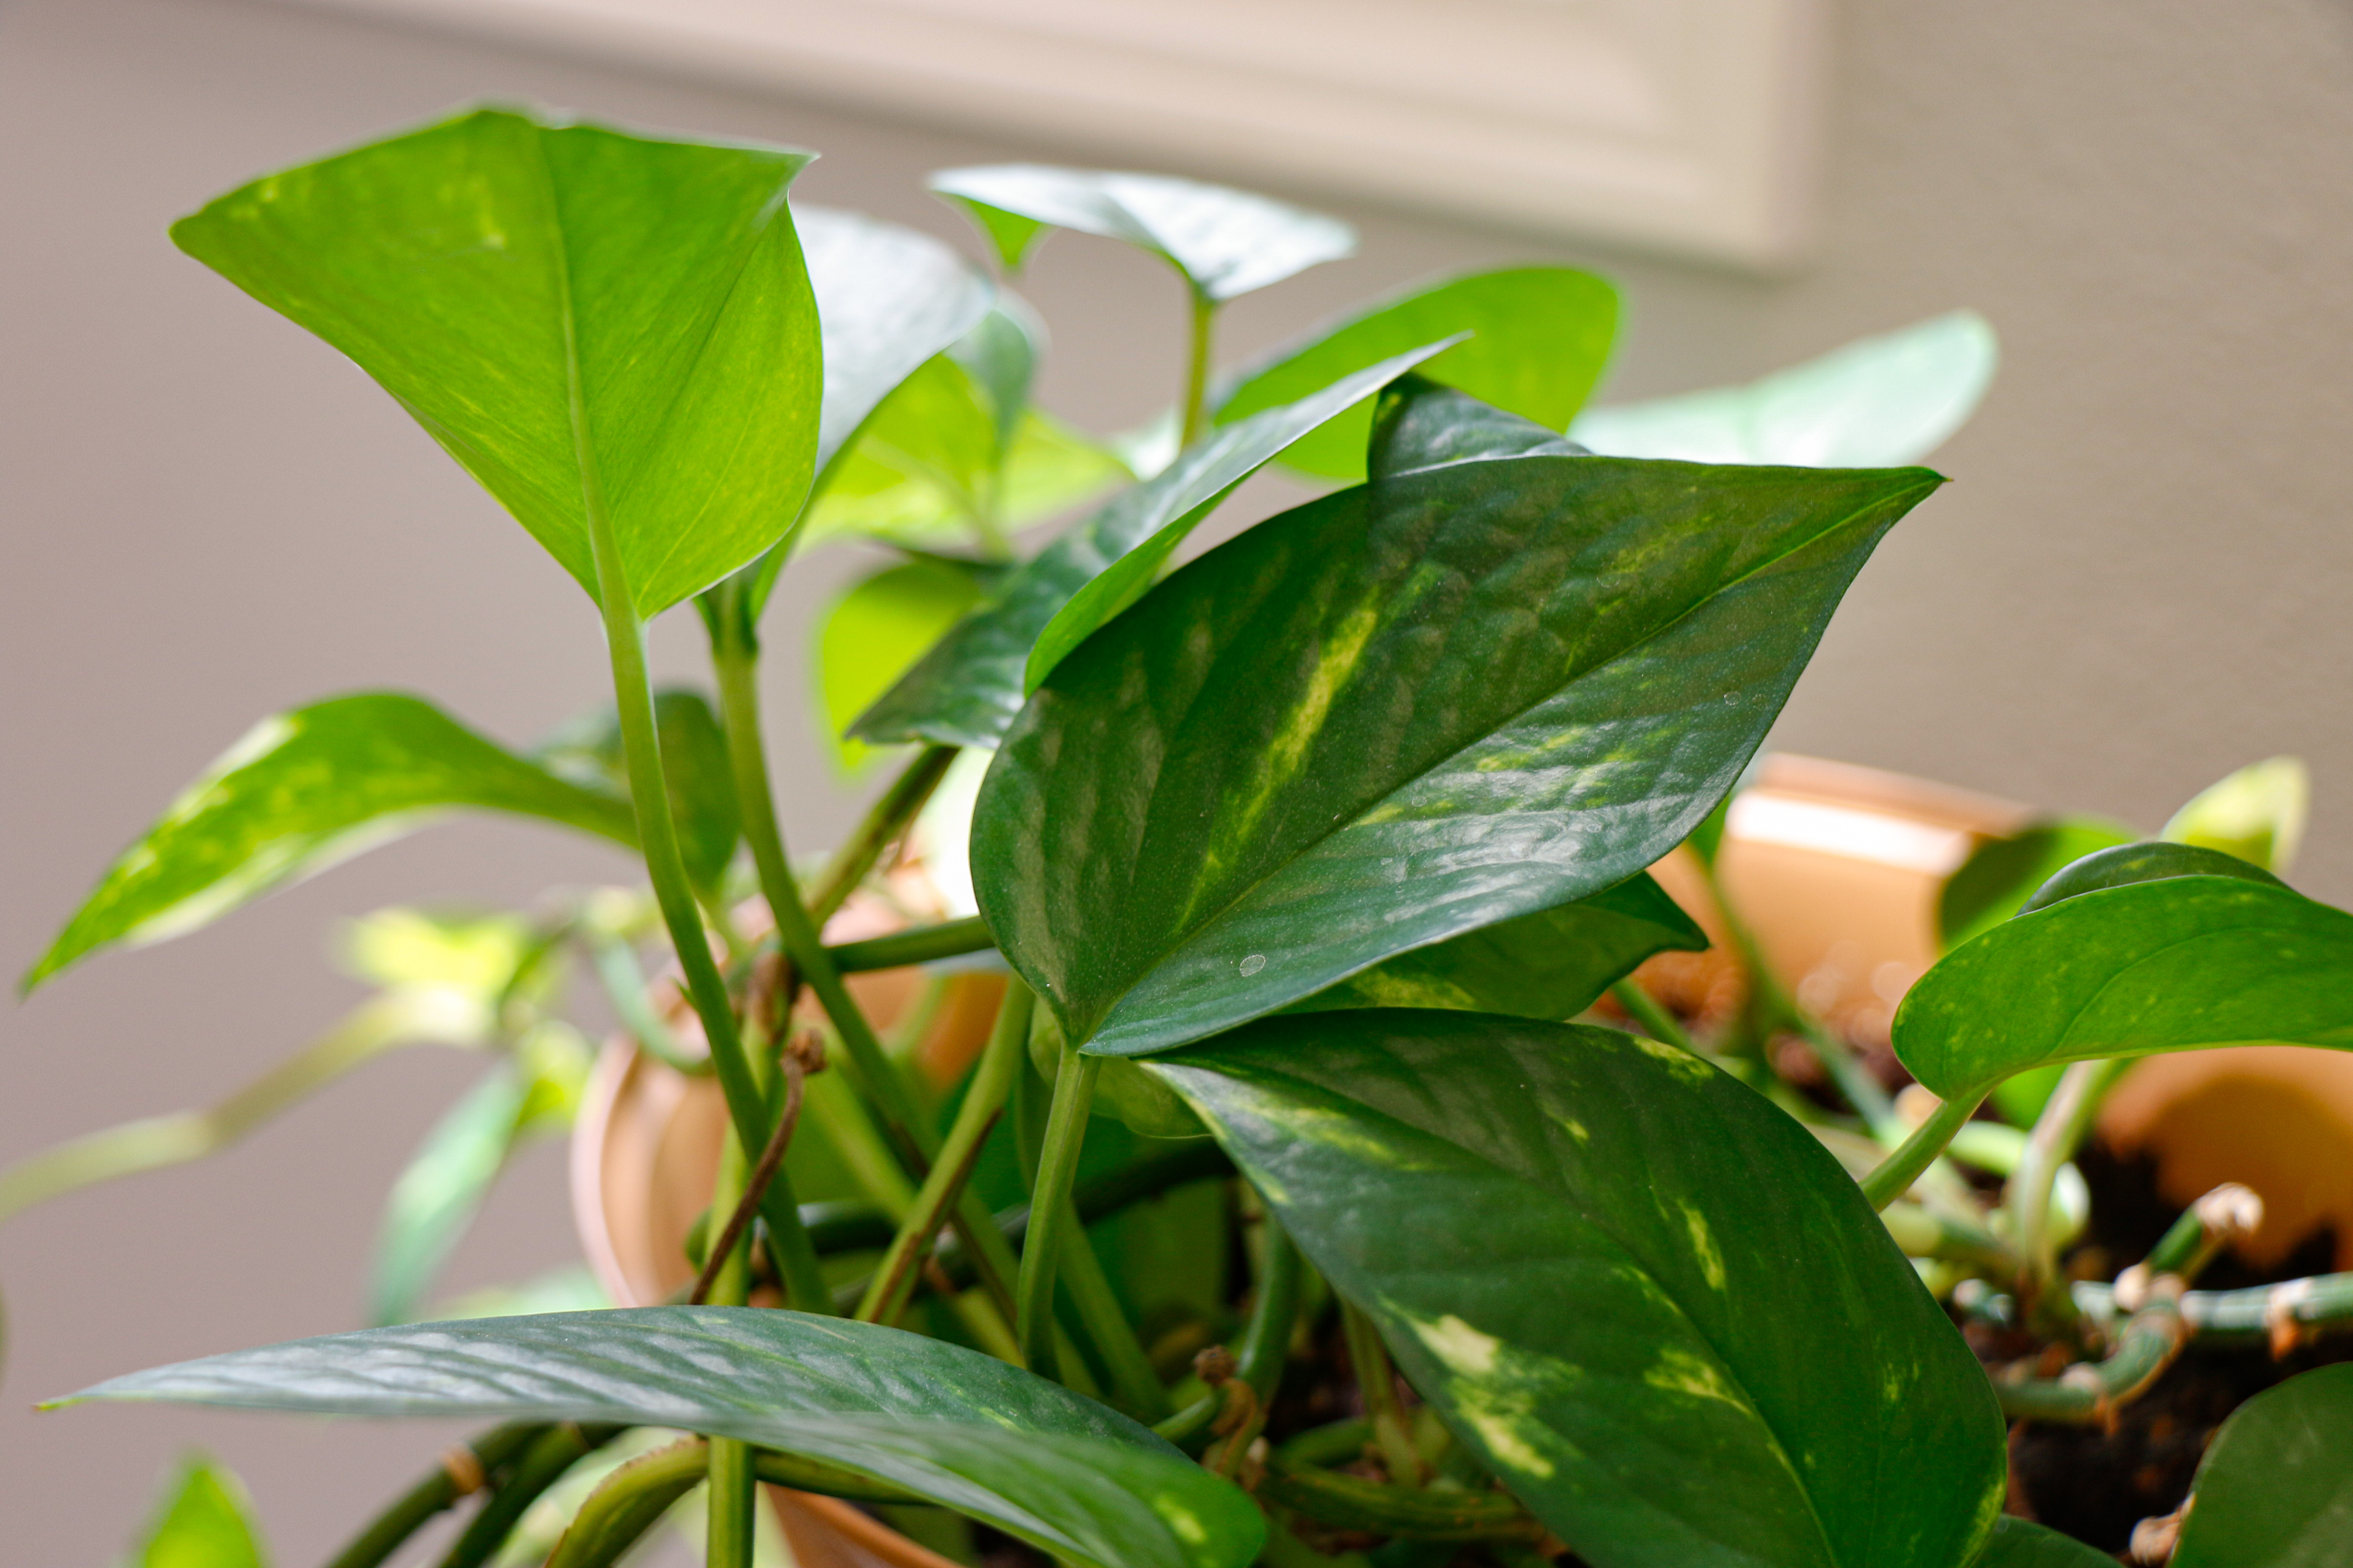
column 2139, row 579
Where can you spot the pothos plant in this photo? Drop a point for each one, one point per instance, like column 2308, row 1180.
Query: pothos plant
column 1297, row 855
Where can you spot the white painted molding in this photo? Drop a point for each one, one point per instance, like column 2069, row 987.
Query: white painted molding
column 1687, row 126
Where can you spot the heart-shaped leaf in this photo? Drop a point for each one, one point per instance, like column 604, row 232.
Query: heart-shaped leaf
column 1400, row 713
column 966, row 692
column 2015, row 1543
column 952, row 1425
column 1550, row 964
column 1889, row 399
column 614, row 333
column 872, row 633
column 2119, row 971
column 1539, row 339
column 1656, row 1308
column 2001, row 874
column 205, row 1521
column 1223, row 242
column 302, row 791
column 2276, row 1491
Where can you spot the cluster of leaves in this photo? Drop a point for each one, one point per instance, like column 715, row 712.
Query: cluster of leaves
column 1312, row 844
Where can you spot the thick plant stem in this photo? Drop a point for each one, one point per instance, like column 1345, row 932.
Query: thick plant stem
column 917, row 945
column 555, row 1451
column 1049, row 1210
column 461, row 1473
column 1894, row 1177
column 1377, row 1385
column 627, row 1503
column 984, row 1103
column 2066, row 1117
column 735, row 1501
column 886, row 819
column 1135, row 1386
column 1197, row 367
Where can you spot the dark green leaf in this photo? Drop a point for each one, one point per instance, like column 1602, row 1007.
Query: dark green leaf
column 1550, row 964
column 951, row 1424
column 1889, row 399
column 2257, row 814
column 702, row 789
column 2018, row 1544
column 2276, row 1491
column 2161, row 965
column 1189, row 490
column 1223, row 242
column 570, row 312
column 1419, row 424
column 966, row 692
column 1540, row 337
column 1398, row 714
column 2000, row 875
column 205, row 1521
column 871, row 634
column 2125, row 864
column 1655, row 1307
column 300, row 792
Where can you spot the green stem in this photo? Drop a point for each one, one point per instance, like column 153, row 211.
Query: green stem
column 2249, row 1315
column 441, row 1489
column 917, row 945
column 1050, row 1213
column 734, row 1499
column 984, row 1101
column 1351, row 1502
column 2066, row 1116
column 2089, row 1392
column 1266, row 1339
column 885, row 820
column 623, row 985
column 555, row 1451
column 1894, row 1177
column 1197, row 369
column 1656, row 1021
column 628, row 1503
column 1135, row 1386
column 1377, row 1385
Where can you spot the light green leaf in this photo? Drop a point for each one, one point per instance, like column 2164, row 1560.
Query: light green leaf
column 1672, row 1330
column 966, row 692
column 1190, row 489
column 1223, row 242
column 1553, row 964
column 1398, row 714
column 2257, row 814
column 1540, row 337
column 2181, row 961
column 606, row 329
column 2001, row 874
column 302, row 791
column 950, row 1425
column 702, row 789
column 868, row 637
column 1884, row 400
column 2015, row 1543
column 2276, row 1490
column 205, row 1521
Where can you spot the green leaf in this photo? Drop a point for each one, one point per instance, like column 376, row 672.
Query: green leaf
column 1551, row 964
column 966, row 692
column 1540, row 337
column 305, row 790
column 869, row 635
column 2257, row 814
column 701, row 788
column 1223, row 242
column 1420, row 423
column 205, row 1521
column 572, row 312
column 1882, row 400
column 2276, row 1490
column 2001, row 874
column 1398, row 714
column 2015, row 1543
column 1124, row 1090
column 2122, row 971
column 1654, row 1306
column 955, row 1427
column 1187, row 490
column 2125, row 864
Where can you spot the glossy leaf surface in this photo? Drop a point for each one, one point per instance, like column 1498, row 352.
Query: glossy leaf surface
column 966, row 692
column 300, row 792
column 2127, row 864
column 572, row 312
column 953, row 1425
column 2016, row 1543
column 1398, row 714
column 1655, row 1307
column 1190, row 487
column 2257, row 814
column 205, row 1521
column 2161, row 965
column 1223, row 242
column 872, row 633
column 1550, row 964
column 1893, row 398
column 1540, row 338
column 2276, row 1491
column 2001, row 874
